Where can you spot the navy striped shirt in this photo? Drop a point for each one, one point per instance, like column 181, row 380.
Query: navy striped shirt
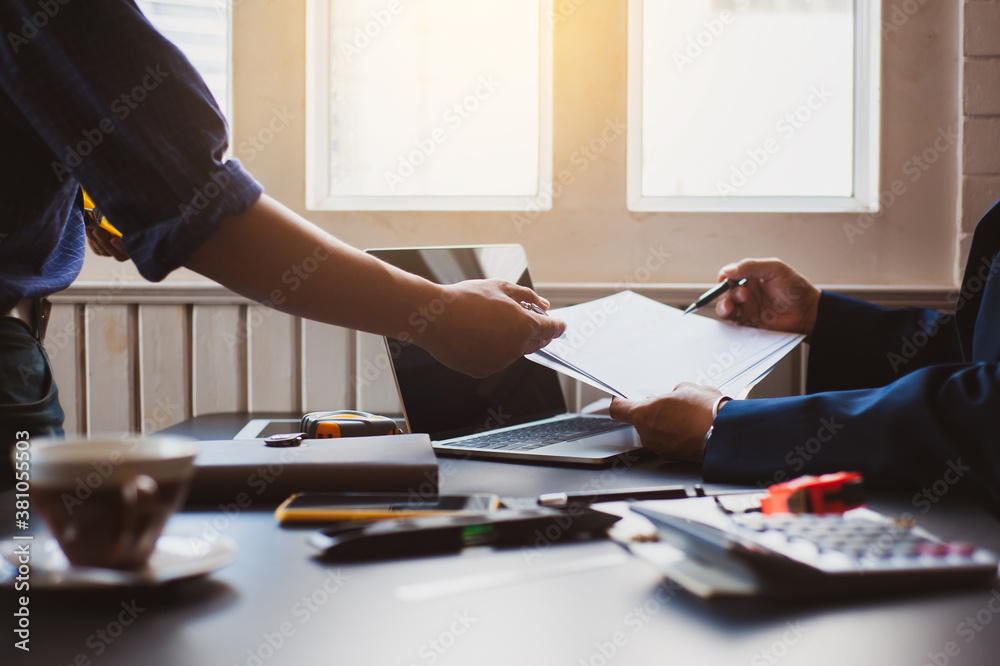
column 92, row 94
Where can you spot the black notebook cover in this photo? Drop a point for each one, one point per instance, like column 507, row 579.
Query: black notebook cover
column 237, row 470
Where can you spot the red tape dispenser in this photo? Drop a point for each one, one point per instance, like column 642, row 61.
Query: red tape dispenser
column 829, row 493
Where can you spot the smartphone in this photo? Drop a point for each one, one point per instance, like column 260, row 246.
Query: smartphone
column 331, row 507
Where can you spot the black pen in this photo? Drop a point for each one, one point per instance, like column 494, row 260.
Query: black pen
column 562, row 500
column 714, row 293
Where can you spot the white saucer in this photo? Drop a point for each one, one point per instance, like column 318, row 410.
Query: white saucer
column 176, row 556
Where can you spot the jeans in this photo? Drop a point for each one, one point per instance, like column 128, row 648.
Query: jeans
column 29, row 400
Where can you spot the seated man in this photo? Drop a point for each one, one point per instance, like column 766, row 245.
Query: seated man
column 906, row 397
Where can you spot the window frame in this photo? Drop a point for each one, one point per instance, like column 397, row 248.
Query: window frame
column 318, row 196
column 225, row 8
column 867, row 119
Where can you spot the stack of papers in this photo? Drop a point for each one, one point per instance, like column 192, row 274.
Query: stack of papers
column 634, row 347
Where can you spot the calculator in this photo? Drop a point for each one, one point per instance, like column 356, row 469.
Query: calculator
column 717, row 550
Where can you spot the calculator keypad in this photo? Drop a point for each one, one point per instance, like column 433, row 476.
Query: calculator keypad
column 836, row 543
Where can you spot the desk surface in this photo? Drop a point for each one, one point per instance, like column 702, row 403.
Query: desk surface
column 586, row 603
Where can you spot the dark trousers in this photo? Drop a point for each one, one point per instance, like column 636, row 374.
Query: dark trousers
column 29, row 400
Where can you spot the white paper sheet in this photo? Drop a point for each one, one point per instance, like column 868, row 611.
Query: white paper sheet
column 636, row 347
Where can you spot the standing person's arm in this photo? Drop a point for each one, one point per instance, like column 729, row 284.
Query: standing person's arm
column 476, row 326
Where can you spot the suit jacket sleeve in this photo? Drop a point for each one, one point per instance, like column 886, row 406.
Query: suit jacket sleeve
column 933, row 427
column 859, row 345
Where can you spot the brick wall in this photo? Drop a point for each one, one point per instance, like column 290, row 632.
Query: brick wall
column 981, row 111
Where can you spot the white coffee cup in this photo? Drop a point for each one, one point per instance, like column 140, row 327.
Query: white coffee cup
column 106, row 499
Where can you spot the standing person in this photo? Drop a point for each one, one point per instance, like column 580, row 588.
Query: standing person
column 92, row 95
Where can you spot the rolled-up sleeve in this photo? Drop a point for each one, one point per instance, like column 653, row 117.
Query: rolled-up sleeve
column 125, row 114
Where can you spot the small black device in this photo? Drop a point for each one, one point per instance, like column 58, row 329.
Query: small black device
column 333, row 507
column 438, row 535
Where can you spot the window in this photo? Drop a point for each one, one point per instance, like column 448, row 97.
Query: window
column 759, row 105
column 442, row 105
column 200, row 28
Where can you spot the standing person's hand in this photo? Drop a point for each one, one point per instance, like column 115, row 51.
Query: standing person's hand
column 106, row 244
column 775, row 297
column 482, row 328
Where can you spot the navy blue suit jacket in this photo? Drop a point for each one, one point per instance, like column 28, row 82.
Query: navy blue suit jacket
column 910, row 398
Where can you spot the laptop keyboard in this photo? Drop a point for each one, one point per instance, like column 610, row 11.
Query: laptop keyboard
column 537, row 436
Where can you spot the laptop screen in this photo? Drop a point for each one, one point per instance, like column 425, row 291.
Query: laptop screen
column 445, row 403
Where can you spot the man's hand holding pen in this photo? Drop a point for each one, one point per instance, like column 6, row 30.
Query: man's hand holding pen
column 774, row 296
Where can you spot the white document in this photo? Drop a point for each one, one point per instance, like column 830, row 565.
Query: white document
column 633, row 346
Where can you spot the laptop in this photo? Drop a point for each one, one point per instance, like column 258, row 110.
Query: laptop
column 518, row 414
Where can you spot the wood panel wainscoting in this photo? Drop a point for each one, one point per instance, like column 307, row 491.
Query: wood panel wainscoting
column 138, row 358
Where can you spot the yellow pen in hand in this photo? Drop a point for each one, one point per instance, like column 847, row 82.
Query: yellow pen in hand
column 94, row 218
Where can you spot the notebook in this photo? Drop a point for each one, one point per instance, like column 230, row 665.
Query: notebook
column 247, row 470
column 518, row 414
